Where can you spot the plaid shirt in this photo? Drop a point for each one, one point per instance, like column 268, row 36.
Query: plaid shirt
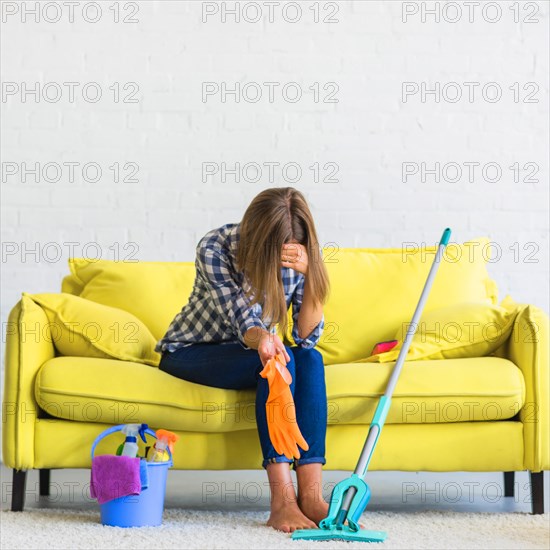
column 218, row 310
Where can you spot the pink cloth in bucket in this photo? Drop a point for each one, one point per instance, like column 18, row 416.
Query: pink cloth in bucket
column 114, row 477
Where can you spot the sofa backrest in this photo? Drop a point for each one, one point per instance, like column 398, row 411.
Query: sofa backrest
column 372, row 291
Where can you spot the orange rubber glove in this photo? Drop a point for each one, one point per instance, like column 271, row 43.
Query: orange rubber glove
column 281, row 412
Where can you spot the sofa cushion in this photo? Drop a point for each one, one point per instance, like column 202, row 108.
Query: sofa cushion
column 116, row 392
column 87, row 329
column 152, row 291
column 374, row 291
column 463, row 330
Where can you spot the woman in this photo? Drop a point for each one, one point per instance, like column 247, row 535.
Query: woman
column 247, row 275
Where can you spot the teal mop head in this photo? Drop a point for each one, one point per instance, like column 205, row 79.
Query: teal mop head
column 345, row 533
column 340, row 509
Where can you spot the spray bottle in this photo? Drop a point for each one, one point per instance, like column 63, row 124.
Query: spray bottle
column 130, row 446
column 164, row 439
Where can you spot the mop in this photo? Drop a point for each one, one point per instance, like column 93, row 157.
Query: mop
column 350, row 497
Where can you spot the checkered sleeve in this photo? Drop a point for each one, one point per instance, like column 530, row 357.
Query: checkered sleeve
column 313, row 337
column 227, row 296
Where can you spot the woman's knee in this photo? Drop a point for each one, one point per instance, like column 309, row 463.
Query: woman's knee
column 310, row 355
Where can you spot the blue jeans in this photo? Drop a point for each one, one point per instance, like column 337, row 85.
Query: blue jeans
column 230, row 366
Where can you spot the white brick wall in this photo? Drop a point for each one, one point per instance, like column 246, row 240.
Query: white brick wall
column 369, row 133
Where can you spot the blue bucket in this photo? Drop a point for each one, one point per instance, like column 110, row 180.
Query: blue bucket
column 145, row 509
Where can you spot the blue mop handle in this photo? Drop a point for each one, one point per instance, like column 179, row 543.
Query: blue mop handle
column 383, row 407
column 356, row 482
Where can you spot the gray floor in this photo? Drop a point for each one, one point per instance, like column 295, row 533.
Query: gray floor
column 248, row 490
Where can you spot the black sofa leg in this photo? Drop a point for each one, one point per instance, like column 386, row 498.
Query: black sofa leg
column 537, row 492
column 44, row 476
column 19, row 485
column 508, row 484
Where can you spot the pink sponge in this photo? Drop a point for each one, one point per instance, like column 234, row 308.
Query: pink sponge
column 382, row 347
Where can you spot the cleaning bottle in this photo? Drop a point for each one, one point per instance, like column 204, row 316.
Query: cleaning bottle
column 130, row 446
column 164, row 439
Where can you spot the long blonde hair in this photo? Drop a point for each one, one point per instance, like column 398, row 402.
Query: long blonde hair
column 275, row 217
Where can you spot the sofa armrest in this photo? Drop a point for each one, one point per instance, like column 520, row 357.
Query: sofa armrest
column 29, row 344
column 527, row 347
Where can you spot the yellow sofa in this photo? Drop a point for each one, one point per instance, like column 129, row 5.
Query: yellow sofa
column 479, row 414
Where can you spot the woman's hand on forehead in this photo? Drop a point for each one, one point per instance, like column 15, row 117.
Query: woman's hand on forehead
column 294, row 255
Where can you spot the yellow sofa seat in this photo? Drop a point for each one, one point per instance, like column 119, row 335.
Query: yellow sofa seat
column 111, row 391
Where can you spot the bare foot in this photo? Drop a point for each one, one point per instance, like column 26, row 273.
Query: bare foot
column 288, row 518
column 316, row 509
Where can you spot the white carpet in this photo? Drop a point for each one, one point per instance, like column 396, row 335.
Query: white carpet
column 59, row 528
